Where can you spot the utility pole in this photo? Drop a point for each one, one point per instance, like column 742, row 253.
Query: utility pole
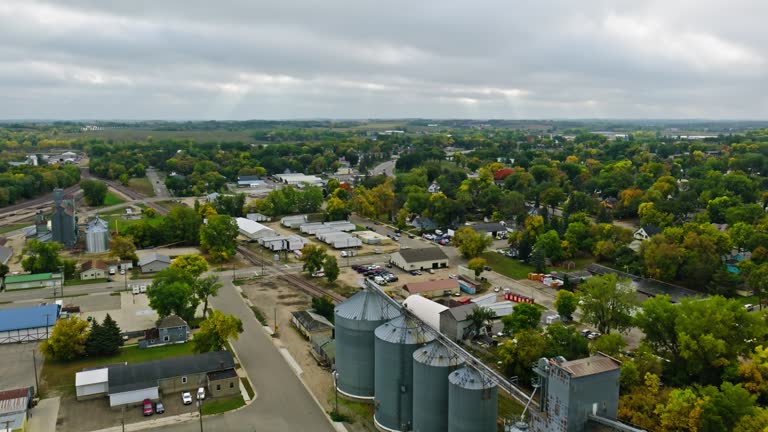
column 122, row 421
column 276, row 326
column 61, row 278
column 47, row 316
column 200, row 412
column 34, row 364
column 336, row 388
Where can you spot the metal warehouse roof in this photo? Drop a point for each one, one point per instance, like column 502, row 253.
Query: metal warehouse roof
column 591, row 365
column 250, row 227
column 93, row 376
column 423, row 254
column 29, row 278
column 147, row 374
column 12, row 401
column 149, row 258
column 427, row 310
column 28, row 317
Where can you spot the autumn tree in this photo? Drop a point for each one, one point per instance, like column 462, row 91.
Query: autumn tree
column 566, row 303
column 471, row 243
column 123, row 248
column 192, row 264
column 205, row 288
column 215, row 331
column 607, row 303
column 477, row 265
column 67, row 340
column 336, row 209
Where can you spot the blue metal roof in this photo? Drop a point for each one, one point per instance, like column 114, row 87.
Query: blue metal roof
column 28, row 317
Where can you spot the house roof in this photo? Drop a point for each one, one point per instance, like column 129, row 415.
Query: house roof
column 425, row 254
column 224, row 374
column 28, row 317
column 93, row 264
column 312, row 321
column 147, row 374
column 433, row 285
column 29, row 278
column 651, row 230
column 154, row 256
column 423, row 223
column 459, row 313
column 172, row 321
column 591, row 365
column 248, row 178
column 16, row 400
column 488, row 227
column 5, row 254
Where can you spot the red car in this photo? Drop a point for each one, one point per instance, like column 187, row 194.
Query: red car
column 148, row 410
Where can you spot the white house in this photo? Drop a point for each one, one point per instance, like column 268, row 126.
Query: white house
column 646, row 231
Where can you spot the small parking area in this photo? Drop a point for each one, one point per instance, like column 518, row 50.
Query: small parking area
column 18, row 370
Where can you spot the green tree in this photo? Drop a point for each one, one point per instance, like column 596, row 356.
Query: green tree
column 182, row 226
column 611, row 344
column 682, row 411
column 723, row 408
column 519, row 354
column 94, row 342
column 172, row 293
column 607, row 303
column 471, row 243
column 566, row 303
column 539, row 260
column 123, row 248
column 565, row 341
column 104, row 339
column 479, row 317
column 94, row 192
column 313, row 257
column 324, row 306
column 217, row 237
column 477, row 265
column 193, row 265
column 331, row 268
column 550, row 243
column 204, row 288
column 524, row 317
column 215, row 331
column 67, row 340
column 754, row 423
column 42, row 257
column 336, row 209
column 310, row 200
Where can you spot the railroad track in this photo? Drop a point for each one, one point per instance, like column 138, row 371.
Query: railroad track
column 299, row 282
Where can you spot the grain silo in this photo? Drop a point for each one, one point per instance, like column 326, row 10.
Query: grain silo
column 472, row 401
column 432, row 364
column 396, row 341
column 356, row 320
column 96, row 236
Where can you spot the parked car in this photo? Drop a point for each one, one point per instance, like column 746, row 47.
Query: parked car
column 159, row 407
column 452, row 276
column 438, row 232
column 389, row 265
column 749, row 307
column 410, row 236
column 136, row 289
column 122, row 271
column 431, row 271
column 201, row 393
column 318, row 274
column 186, row 398
column 594, row 335
column 147, row 407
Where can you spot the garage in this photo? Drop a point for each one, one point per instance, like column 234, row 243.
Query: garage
column 92, row 383
column 131, row 397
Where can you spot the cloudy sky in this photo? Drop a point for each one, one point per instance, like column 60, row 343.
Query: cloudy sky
column 247, row 59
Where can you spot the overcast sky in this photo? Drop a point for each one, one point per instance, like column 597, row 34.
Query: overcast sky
column 251, row 59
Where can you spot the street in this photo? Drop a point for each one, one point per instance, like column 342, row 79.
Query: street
column 387, row 168
column 158, row 184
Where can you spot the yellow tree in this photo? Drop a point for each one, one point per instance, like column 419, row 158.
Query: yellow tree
column 193, row 265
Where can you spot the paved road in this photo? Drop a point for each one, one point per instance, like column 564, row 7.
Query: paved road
column 158, row 184
column 387, row 168
column 283, row 403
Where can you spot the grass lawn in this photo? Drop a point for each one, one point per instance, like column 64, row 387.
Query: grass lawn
column 217, row 406
column 14, row 227
column 142, row 186
column 509, row 267
column 112, row 199
column 59, row 377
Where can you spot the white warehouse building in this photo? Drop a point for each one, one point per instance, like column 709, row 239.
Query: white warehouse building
column 252, row 229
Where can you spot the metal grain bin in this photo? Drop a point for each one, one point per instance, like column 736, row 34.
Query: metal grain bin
column 432, row 364
column 396, row 342
column 355, row 322
column 472, row 402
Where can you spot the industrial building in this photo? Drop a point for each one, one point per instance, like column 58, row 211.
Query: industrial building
column 37, row 280
column 299, row 179
column 28, row 324
column 372, row 238
column 250, row 182
column 154, row 262
column 252, row 229
column 127, row 384
column 433, row 288
column 311, row 324
column 64, row 220
column 294, row 222
column 425, row 309
column 454, row 323
column 420, row 259
column 258, row 217
column 279, row 242
column 96, row 236
column 356, row 319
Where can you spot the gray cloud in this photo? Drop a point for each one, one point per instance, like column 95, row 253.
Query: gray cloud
column 241, row 59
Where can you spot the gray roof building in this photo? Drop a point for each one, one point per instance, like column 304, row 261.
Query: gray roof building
column 123, row 378
column 5, row 254
column 424, row 254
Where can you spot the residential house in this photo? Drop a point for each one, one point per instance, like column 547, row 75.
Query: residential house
column 646, row 231
column 493, row 229
column 171, row 330
column 154, row 262
column 14, row 408
column 433, row 288
column 93, row 269
column 433, row 188
column 130, row 384
column 420, row 259
column 311, row 324
column 423, row 224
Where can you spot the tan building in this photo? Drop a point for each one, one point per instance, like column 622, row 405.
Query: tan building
column 434, row 288
column 93, row 270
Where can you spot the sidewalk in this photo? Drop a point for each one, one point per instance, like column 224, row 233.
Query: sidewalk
column 43, row 416
column 160, row 422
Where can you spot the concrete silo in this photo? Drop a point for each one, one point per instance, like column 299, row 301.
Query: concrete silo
column 432, row 364
column 356, row 319
column 396, row 342
column 472, row 402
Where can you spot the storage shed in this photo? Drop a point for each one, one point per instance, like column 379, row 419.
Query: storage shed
column 420, row 259
column 92, row 383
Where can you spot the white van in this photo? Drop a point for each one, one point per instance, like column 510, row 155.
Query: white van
column 136, row 289
column 143, row 288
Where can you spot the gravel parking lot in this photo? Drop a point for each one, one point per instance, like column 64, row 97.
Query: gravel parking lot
column 18, row 370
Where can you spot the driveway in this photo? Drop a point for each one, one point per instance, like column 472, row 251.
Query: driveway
column 283, row 403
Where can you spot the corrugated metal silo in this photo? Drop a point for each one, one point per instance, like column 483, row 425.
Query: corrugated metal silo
column 96, row 236
column 431, row 366
column 356, row 319
column 472, row 402
column 396, row 342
